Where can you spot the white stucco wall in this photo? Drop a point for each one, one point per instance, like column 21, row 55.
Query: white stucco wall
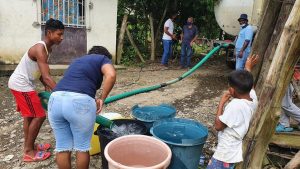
column 102, row 21
column 16, row 31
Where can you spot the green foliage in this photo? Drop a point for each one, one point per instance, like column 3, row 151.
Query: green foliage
column 138, row 22
column 204, row 17
column 199, row 49
column 201, row 167
column 131, row 58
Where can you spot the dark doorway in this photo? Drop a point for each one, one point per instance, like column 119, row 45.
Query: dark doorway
column 73, row 46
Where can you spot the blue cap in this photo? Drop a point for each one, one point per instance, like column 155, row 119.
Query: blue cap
column 244, row 17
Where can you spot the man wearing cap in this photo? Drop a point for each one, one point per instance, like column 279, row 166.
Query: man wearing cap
column 243, row 43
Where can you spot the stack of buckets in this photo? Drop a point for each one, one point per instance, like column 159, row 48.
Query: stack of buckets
column 184, row 139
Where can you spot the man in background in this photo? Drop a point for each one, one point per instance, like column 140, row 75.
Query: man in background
column 243, row 43
column 188, row 36
column 168, row 38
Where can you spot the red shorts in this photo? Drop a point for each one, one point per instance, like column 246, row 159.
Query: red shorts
column 29, row 104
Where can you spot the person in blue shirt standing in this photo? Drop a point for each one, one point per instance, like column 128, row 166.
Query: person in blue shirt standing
column 188, row 36
column 72, row 106
column 243, row 43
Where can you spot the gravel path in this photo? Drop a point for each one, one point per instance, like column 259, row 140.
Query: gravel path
column 195, row 97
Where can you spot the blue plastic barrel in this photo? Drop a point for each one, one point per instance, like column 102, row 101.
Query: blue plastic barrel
column 149, row 114
column 185, row 137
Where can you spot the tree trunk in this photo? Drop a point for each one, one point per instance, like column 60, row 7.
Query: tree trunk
column 264, row 7
column 264, row 33
column 144, row 32
column 174, row 5
column 152, row 38
column 269, row 53
column 294, row 163
column 121, row 40
column 134, row 45
column 278, row 77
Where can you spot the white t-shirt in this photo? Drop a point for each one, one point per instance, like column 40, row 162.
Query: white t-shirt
column 237, row 116
column 25, row 74
column 170, row 25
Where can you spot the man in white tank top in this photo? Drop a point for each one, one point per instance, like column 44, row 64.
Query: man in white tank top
column 34, row 66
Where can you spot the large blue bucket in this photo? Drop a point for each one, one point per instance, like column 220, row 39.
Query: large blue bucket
column 185, row 138
column 149, row 114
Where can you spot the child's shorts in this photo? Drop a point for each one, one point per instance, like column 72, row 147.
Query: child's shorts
column 72, row 117
column 28, row 103
column 216, row 164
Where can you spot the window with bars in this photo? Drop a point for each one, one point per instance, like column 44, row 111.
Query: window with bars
column 70, row 12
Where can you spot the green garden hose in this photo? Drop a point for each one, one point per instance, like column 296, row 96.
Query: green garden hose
column 155, row 87
column 44, row 96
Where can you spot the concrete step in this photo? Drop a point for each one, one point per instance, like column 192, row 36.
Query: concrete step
column 55, row 70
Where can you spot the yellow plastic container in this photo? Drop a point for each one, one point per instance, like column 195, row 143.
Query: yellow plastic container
column 95, row 144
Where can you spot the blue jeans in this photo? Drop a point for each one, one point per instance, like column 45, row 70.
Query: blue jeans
column 216, row 164
column 240, row 62
column 186, row 52
column 72, row 117
column 167, row 51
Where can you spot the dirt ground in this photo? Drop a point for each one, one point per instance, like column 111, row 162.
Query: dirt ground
column 195, row 97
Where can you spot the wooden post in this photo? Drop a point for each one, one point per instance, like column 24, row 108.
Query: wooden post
column 285, row 11
column 152, row 57
column 264, row 33
column 134, row 45
column 294, row 163
column 279, row 75
column 121, row 40
column 286, row 139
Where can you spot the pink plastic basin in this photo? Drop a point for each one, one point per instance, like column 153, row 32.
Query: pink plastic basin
column 137, row 152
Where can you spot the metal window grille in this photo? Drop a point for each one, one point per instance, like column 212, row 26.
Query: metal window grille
column 70, row 12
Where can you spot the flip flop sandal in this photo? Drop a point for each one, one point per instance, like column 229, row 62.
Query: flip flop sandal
column 42, row 147
column 282, row 128
column 39, row 156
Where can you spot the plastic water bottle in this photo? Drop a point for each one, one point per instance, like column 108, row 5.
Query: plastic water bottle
column 201, row 160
